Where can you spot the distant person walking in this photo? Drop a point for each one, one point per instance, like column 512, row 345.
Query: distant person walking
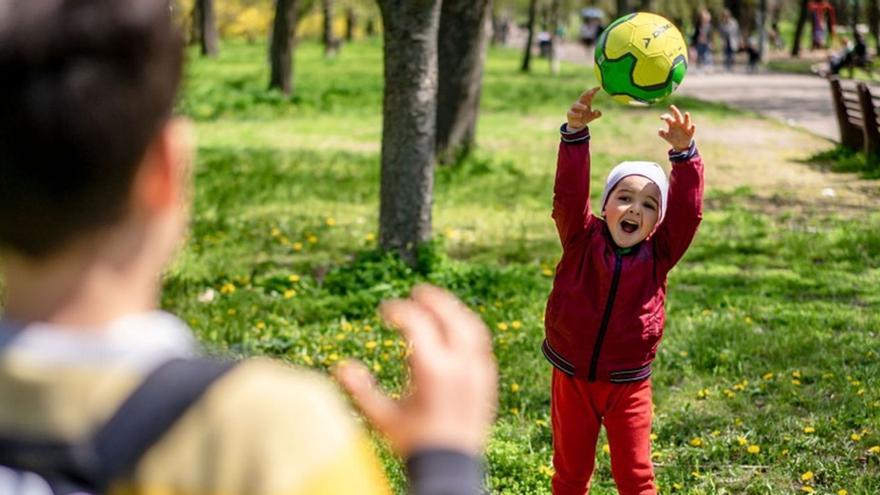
column 731, row 37
column 702, row 38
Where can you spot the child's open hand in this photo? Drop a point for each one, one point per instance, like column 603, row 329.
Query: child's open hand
column 581, row 112
column 680, row 130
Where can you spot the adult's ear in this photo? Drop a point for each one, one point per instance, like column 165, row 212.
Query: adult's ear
column 162, row 180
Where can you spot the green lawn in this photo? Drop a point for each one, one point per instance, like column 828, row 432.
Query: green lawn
column 767, row 380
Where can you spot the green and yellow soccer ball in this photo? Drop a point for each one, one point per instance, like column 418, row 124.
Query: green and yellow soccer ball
column 641, row 58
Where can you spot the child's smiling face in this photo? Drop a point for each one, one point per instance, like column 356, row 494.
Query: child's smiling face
column 632, row 210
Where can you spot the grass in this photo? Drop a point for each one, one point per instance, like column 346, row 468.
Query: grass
column 769, row 368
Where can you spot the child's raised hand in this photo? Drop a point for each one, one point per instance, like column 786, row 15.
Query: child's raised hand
column 680, row 130
column 581, row 112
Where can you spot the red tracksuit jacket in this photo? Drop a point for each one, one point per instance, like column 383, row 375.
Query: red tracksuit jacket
column 605, row 315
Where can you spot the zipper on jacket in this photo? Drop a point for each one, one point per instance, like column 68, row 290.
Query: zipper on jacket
column 612, row 294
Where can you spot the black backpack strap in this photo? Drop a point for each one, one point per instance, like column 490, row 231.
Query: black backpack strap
column 115, row 449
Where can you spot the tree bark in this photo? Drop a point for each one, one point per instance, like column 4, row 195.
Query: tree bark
column 208, row 37
column 350, row 21
column 799, row 30
column 462, row 41
column 527, row 56
column 874, row 22
column 283, row 42
column 408, row 125
column 331, row 44
column 622, row 7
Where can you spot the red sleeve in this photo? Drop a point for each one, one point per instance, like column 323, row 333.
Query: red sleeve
column 571, row 191
column 685, row 209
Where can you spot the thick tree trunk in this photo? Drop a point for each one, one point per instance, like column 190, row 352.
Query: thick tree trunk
column 331, row 44
column 527, row 55
column 208, row 37
column 350, row 21
column 622, row 7
column 799, row 30
column 874, row 22
column 462, row 40
column 283, row 41
column 408, row 128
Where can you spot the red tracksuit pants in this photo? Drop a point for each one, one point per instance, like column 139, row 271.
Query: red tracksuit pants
column 578, row 409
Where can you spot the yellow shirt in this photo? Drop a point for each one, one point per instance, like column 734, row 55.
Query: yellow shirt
column 264, row 428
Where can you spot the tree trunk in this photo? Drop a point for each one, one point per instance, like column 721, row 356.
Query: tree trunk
column 208, row 37
column 462, row 40
column 799, row 30
column 409, row 114
column 331, row 44
column 874, row 22
column 283, row 41
column 350, row 21
column 554, row 39
column 645, row 5
column 527, row 56
column 622, row 7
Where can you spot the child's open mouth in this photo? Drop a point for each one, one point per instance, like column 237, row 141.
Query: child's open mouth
column 629, row 227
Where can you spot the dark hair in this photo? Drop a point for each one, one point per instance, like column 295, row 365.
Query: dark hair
column 85, row 85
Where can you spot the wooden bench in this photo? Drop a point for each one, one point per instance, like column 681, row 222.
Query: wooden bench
column 856, row 108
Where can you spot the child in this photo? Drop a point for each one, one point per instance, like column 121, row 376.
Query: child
column 605, row 315
column 94, row 174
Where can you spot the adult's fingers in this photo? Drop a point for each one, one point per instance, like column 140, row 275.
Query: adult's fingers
column 462, row 328
column 417, row 326
column 379, row 409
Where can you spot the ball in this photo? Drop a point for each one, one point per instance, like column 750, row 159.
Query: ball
column 641, row 58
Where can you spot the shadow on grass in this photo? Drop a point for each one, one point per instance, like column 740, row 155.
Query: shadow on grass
column 844, row 160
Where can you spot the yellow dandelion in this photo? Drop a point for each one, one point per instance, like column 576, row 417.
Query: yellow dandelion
column 547, row 272
column 370, row 237
column 875, row 449
column 677, row 486
column 340, row 336
column 387, row 342
column 227, row 288
column 796, row 374
column 842, row 491
column 231, row 312
column 514, row 411
column 276, row 232
column 653, row 437
column 807, row 489
column 807, row 476
column 861, row 392
column 312, row 239
column 784, row 452
column 308, row 360
column 540, row 422
column 514, row 387
column 696, row 474
column 795, row 382
column 371, row 344
column 377, row 367
column 346, row 326
column 855, row 437
column 703, row 393
column 297, row 246
column 334, row 357
column 768, row 376
column 729, row 393
column 606, row 448
column 741, row 440
column 516, row 325
column 696, row 441
column 293, row 278
column 754, row 449
column 368, row 328
column 683, row 353
column 737, row 421
column 330, row 221
column 289, row 294
column 546, row 471
column 502, row 326
column 261, row 325
column 809, row 429
column 715, row 433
